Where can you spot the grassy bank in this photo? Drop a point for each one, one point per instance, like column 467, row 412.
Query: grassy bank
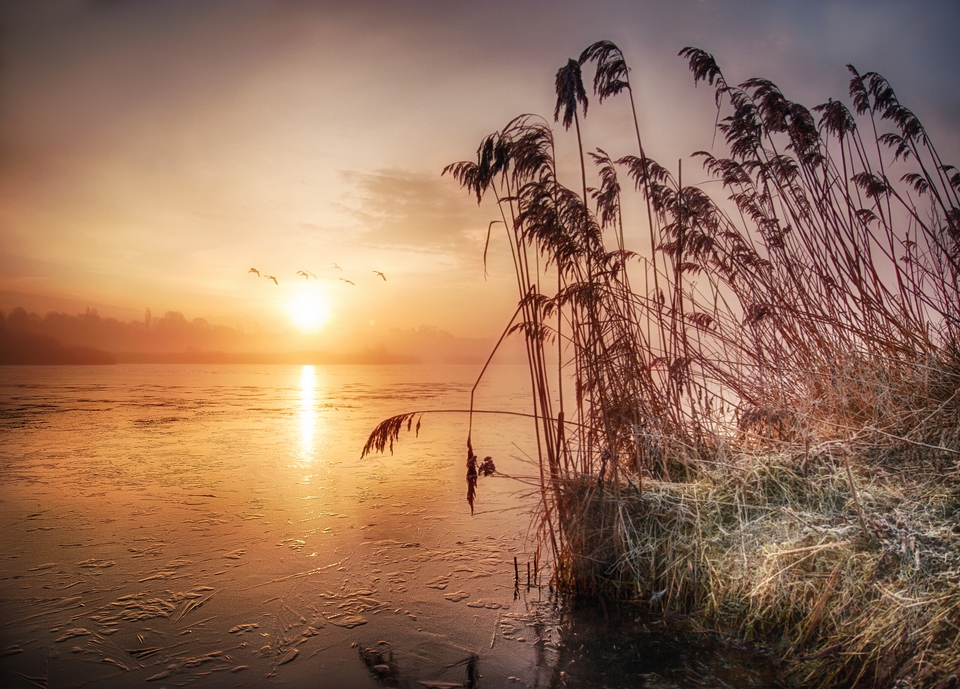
column 770, row 548
column 763, row 427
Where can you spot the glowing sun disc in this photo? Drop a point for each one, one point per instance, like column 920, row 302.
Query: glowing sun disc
column 308, row 311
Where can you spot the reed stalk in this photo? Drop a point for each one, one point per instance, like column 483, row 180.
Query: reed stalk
column 768, row 439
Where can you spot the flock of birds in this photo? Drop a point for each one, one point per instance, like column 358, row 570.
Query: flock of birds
column 306, row 274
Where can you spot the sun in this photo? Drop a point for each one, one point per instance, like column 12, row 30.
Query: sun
column 309, row 309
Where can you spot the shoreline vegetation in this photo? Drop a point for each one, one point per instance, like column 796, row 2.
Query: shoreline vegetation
column 369, row 357
column 89, row 339
column 29, row 349
column 754, row 421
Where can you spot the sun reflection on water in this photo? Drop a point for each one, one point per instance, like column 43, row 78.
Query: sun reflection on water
column 308, row 411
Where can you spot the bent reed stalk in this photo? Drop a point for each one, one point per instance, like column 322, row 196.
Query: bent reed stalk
column 767, row 433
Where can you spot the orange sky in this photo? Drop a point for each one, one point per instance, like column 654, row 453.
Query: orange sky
column 152, row 152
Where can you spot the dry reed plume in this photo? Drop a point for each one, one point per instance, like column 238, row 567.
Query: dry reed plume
column 765, row 415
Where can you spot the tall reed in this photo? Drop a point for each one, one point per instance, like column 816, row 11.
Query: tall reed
column 813, row 312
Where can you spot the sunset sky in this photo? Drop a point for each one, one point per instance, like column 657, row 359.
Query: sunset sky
column 151, row 152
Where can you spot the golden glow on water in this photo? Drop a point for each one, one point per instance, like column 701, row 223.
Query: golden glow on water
column 265, row 477
column 308, row 411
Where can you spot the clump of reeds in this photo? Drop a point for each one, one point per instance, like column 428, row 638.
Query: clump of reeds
column 764, row 430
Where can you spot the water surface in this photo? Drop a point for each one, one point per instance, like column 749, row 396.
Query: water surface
column 216, row 526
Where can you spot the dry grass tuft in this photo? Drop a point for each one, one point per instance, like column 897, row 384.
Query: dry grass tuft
column 778, row 555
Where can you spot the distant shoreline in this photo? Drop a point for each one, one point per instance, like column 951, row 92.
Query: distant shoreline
column 69, row 356
column 375, row 357
column 88, row 339
column 92, row 357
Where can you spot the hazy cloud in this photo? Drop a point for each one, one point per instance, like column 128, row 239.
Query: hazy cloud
column 414, row 210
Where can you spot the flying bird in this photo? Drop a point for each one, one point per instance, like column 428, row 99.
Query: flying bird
column 334, row 265
column 350, row 281
column 381, row 275
column 270, row 277
column 254, row 270
column 305, row 274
